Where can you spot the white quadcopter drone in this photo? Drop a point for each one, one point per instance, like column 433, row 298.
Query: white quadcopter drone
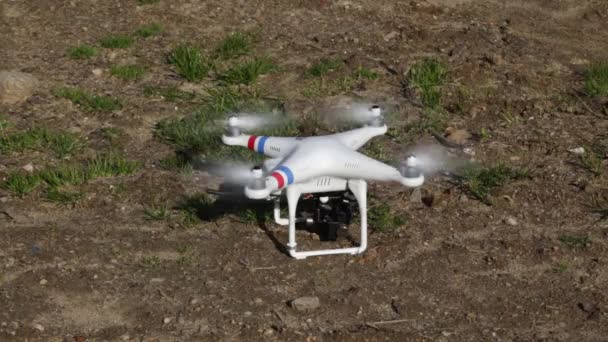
column 323, row 165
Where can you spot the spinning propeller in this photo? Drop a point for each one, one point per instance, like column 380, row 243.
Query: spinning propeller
column 357, row 113
column 238, row 122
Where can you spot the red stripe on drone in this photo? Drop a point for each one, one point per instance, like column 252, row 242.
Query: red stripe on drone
column 279, row 178
column 251, row 142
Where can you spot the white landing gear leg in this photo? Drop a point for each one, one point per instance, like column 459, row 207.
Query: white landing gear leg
column 359, row 189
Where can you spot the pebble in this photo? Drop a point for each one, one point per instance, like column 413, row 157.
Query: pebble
column 458, row 136
column 97, row 72
column 16, row 86
column 305, row 303
column 125, row 337
column 43, row 282
column 38, row 327
column 193, row 301
column 511, row 221
column 157, row 280
column 167, row 320
column 390, row 36
column 268, row 332
column 416, row 196
column 577, row 150
column 29, row 167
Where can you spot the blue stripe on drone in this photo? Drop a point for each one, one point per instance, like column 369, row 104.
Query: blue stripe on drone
column 287, row 172
column 261, row 144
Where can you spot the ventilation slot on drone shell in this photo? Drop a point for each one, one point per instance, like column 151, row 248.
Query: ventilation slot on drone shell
column 351, row 165
column 323, row 181
column 274, row 148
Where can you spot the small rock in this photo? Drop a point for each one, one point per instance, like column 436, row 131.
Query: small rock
column 167, row 320
column 157, row 280
column 97, row 72
column 16, row 86
column 494, row 59
column 577, row 150
column 458, row 136
column 193, row 301
column 268, row 332
column 416, row 196
column 29, row 167
column 511, row 221
column 390, row 36
column 125, row 337
column 38, row 327
column 43, row 282
column 305, row 303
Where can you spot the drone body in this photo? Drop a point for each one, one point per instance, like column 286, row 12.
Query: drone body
column 319, row 165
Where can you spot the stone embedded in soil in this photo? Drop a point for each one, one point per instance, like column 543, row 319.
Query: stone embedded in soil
column 167, row 320
column 43, row 282
column 305, row 303
column 16, row 86
column 38, row 327
column 511, row 221
column 29, row 167
column 577, row 150
column 458, row 136
column 416, row 196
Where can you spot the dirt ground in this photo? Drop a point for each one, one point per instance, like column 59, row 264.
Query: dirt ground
column 459, row 270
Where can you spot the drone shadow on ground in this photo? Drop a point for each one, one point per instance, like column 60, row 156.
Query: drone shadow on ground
column 229, row 201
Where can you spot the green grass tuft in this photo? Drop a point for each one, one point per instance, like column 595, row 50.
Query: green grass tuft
column 248, row 72
column 481, row 182
column 61, row 143
column 383, row 219
column 171, row 93
column 319, row 87
column 427, row 77
column 63, row 197
column 596, row 79
column 108, row 165
column 592, row 162
column 20, row 182
column 233, row 45
column 151, row 262
column 190, row 62
column 4, row 124
column 127, row 72
column 366, row 73
column 116, row 42
column 68, row 174
column 574, row 241
column 149, row 30
column 176, row 163
column 221, row 100
column 324, row 66
column 156, row 213
column 82, row 52
column 89, row 102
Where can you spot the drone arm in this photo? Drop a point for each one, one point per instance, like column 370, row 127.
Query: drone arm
column 360, row 136
column 270, row 146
